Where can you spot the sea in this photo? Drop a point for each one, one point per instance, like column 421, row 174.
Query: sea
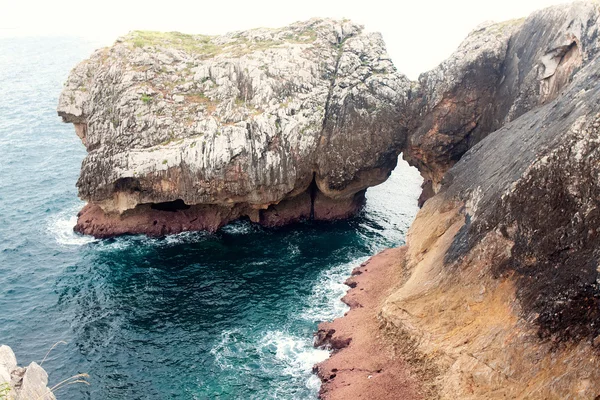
column 229, row 315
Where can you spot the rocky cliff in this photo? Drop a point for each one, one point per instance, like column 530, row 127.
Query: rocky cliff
column 188, row 132
column 22, row 383
column 497, row 293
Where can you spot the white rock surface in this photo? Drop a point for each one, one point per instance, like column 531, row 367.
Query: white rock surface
column 248, row 117
column 18, row 383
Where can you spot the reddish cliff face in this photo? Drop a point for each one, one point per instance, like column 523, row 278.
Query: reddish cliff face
column 500, row 294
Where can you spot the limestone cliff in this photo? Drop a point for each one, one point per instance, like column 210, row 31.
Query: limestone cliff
column 190, row 132
column 499, row 295
column 22, row 383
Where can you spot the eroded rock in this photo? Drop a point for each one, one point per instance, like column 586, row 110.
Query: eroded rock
column 500, row 72
column 20, row 383
column 246, row 124
column 502, row 295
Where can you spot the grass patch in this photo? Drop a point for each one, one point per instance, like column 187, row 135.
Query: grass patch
column 204, row 45
column 182, row 41
column 146, row 98
column 198, row 97
column 4, row 391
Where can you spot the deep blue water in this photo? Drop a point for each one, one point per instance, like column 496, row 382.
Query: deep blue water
column 189, row 316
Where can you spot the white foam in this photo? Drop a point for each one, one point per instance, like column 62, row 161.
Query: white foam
column 223, row 351
column 61, row 227
column 180, row 238
column 239, row 228
column 324, row 303
column 277, row 350
column 296, row 355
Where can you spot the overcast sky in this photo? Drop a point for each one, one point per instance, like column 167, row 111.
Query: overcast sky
column 418, row 33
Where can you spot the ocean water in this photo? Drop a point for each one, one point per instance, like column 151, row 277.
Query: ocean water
column 190, row 316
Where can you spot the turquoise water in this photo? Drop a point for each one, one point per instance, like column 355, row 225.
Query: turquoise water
column 189, row 316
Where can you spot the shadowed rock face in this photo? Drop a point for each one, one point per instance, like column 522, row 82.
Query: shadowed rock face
column 498, row 73
column 509, row 247
column 257, row 123
column 502, row 291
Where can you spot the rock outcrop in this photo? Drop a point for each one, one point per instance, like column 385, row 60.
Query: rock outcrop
column 22, row 383
column 501, row 296
column 500, row 72
column 188, row 132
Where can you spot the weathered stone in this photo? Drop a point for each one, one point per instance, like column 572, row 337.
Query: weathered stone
column 22, row 383
column 244, row 121
column 34, row 384
column 8, row 363
column 500, row 72
column 502, row 291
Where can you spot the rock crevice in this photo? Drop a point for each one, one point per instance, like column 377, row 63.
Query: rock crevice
column 240, row 124
column 22, row 383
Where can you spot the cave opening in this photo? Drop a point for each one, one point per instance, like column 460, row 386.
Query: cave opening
column 172, row 206
column 313, row 190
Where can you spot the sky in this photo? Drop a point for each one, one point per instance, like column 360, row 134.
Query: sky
column 419, row 34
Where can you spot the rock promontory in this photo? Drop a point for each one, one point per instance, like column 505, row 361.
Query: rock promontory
column 189, row 132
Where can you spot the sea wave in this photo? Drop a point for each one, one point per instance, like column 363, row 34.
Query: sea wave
column 276, row 352
column 239, row 228
column 324, row 303
column 61, row 225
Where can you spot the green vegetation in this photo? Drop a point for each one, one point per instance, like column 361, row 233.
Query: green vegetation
column 164, row 162
column 4, row 391
column 203, row 44
column 239, row 101
column 304, row 37
column 197, row 97
column 171, row 39
column 146, row 98
column 171, row 140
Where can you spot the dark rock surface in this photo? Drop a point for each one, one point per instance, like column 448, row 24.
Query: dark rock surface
column 500, row 72
column 502, row 295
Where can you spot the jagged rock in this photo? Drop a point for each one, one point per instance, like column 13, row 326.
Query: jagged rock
column 498, row 73
column 505, row 287
column 22, row 383
column 232, row 125
column 502, row 291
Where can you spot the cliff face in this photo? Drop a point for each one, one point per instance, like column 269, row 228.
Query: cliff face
column 189, row 132
column 501, row 296
column 498, row 73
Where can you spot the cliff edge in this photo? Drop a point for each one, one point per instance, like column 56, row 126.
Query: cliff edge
column 499, row 295
column 22, row 383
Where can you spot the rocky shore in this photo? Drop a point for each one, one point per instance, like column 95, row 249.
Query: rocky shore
column 500, row 290
column 370, row 366
column 22, row 383
column 497, row 292
column 190, row 132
